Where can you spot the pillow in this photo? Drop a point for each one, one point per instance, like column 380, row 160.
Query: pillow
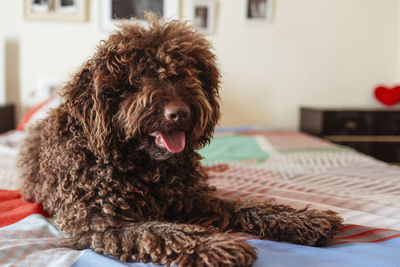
column 38, row 112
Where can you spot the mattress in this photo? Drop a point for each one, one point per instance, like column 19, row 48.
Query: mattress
column 286, row 167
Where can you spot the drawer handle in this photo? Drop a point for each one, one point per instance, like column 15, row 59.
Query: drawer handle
column 351, row 125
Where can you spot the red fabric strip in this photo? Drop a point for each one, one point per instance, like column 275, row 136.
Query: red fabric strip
column 370, row 241
column 348, row 226
column 369, row 232
column 14, row 209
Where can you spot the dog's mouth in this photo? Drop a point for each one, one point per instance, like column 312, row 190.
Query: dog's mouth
column 174, row 141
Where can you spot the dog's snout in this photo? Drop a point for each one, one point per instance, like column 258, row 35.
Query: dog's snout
column 177, row 112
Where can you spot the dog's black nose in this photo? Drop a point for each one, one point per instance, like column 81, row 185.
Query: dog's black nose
column 177, row 112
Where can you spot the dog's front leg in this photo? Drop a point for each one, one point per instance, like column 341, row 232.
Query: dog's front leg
column 283, row 223
column 168, row 243
column 260, row 217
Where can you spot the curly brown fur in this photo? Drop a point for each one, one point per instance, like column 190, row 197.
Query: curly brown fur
column 120, row 173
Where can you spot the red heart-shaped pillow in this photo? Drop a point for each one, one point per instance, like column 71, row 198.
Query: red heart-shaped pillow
column 387, row 96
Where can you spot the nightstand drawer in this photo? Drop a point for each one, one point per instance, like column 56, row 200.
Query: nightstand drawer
column 347, row 122
column 375, row 132
column 363, row 122
column 386, row 123
column 7, row 118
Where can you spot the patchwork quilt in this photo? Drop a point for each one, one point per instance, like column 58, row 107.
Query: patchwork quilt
column 286, row 167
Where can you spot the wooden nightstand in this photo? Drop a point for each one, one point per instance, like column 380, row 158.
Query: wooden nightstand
column 7, row 118
column 375, row 132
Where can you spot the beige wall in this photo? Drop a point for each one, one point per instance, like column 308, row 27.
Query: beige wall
column 10, row 24
column 315, row 52
column 398, row 41
column 2, row 75
column 324, row 52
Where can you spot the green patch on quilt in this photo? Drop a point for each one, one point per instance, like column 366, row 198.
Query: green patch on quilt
column 232, row 148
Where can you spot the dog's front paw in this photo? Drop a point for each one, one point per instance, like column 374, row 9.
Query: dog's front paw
column 224, row 250
column 217, row 249
column 281, row 223
column 184, row 245
column 315, row 227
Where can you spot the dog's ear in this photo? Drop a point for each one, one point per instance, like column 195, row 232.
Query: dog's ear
column 210, row 79
column 90, row 98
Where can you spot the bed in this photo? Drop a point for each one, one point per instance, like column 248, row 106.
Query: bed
column 287, row 167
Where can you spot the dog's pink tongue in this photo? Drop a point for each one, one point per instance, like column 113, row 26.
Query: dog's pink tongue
column 174, row 141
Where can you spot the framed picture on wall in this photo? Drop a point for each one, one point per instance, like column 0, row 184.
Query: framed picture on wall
column 203, row 12
column 116, row 11
column 62, row 10
column 67, row 6
column 40, row 6
column 258, row 10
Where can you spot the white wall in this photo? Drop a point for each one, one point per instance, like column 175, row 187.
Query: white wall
column 2, row 74
column 56, row 49
column 325, row 52
column 11, row 18
column 398, row 41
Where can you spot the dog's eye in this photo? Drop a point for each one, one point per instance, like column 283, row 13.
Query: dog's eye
column 137, row 79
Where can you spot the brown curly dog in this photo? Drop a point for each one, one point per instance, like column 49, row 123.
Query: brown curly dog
column 116, row 162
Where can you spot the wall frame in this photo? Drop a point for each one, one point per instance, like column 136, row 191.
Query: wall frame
column 56, row 10
column 203, row 15
column 258, row 11
column 117, row 11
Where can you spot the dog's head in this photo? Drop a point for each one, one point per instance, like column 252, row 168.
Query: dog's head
column 154, row 87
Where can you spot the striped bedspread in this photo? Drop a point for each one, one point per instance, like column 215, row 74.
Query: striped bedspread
column 286, row 167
